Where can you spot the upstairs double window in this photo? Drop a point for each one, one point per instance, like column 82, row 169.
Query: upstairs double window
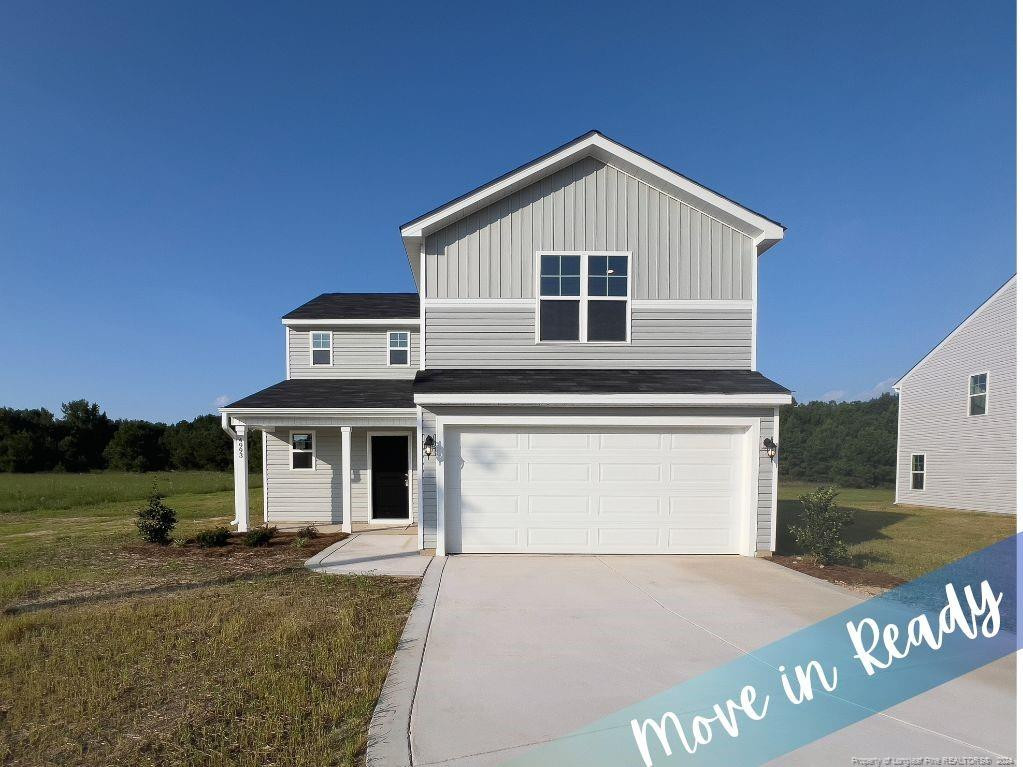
column 584, row 297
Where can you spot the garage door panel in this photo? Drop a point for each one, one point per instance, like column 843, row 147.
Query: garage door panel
column 629, row 472
column 559, row 472
column 563, row 490
column 558, row 504
column 628, row 507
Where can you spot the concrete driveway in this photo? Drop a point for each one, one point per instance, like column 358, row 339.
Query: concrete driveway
column 523, row 649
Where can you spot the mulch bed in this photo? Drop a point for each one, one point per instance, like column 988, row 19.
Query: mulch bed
column 842, row 575
column 281, row 544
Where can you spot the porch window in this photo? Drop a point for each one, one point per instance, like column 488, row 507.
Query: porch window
column 583, row 297
column 320, row 346
column 302, row 450
column 398, row 347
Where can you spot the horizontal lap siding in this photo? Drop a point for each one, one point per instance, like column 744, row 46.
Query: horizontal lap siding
column 358, row 353
column 429, row 520
column 678, row 251
column 970, row 460
column 304, row 496
column 495, row 335
column 765, row 485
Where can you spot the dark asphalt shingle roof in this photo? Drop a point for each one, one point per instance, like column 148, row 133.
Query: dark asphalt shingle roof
column 358, row 306
column 332, row 393
column 577, row 381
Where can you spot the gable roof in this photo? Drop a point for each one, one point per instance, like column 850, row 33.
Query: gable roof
column 764, row 231
column 1005, row 286
column 358, row 306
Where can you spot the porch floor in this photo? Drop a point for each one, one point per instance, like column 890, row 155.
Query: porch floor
column 357, row 527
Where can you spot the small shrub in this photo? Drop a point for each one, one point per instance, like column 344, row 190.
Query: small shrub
column 308, row 532
column 819, row 532
column 156, row 520
column 218, row 536
column 260, row 536
column 300, row 541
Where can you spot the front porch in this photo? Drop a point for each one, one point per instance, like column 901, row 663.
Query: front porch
column 326, row 464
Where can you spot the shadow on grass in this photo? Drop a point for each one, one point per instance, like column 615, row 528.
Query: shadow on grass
column 867, row 526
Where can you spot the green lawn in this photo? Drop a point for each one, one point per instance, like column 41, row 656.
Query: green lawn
column 281, row 669
column 903, row 541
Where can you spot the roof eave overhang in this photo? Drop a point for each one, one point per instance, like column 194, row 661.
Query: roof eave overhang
column 597, row 400
column 383, row 412
column 401, row 321
column 764, row 232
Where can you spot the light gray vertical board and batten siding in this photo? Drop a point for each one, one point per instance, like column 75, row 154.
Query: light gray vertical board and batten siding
column 359, row 352
column 501, row 335
column 678, row 251
column 970, row 460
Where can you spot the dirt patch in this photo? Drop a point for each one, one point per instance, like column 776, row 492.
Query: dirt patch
column 281, row 545
column 855, row 579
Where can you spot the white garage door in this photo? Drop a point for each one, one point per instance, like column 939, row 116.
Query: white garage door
column 617, row 491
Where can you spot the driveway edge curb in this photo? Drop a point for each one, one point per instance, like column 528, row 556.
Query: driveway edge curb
column 388, row 743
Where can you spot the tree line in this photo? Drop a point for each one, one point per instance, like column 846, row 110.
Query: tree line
column 83, row 438
column 843, row 443
column 852, row 444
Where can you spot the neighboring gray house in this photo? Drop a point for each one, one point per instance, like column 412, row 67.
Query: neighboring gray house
column 575, row 374
column 957, row 415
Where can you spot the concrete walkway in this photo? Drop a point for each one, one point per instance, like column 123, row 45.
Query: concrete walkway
column 372, row 553
column 523, row 649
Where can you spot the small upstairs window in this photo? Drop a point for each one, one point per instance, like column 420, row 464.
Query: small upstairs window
column 978, row 394
column 302, row 450
column 320, row 344
column 916, row 471
column 398, row 347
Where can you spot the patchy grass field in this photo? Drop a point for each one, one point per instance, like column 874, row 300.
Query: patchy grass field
column 257, row 662
column 902, row 542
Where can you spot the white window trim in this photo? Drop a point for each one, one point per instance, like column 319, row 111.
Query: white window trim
column 408, row 349
column 923, row 473
column 583, row 297
column 987, row 393
column 292, row 450
column 330, row 335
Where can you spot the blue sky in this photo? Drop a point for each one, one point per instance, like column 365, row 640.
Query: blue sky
column 176, row 176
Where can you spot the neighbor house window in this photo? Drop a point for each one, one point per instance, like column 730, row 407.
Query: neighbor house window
column 398, row 347
column 978, row 394
column 302, row 446
column 916, row 473
column 578, row 308
column 320, row 344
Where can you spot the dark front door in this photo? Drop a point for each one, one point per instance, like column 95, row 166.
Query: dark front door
column 390, row 477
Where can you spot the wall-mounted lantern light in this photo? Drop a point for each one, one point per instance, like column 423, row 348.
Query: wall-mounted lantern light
column 428, row 445
column 770, row 447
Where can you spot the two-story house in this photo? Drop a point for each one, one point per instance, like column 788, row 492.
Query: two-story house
column 577, row 373
column 957, row 415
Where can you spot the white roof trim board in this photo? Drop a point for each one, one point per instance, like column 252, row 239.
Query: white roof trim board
column 1009, row 283
column 762, row 230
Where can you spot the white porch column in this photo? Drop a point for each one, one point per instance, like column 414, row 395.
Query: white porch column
column 346, row 478
column 241, row 479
